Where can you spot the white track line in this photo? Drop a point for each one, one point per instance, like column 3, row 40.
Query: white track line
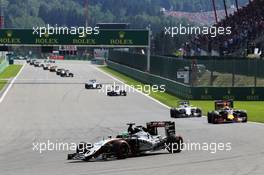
column 146, row 95
column 256, row 123
column 11, row 84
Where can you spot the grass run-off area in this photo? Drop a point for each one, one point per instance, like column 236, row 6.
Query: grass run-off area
column 255, row 109
column 10, row 72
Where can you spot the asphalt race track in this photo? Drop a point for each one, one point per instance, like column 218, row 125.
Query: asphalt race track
column 42, row 106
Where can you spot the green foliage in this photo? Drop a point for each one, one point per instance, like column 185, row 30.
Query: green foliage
column 140, row 13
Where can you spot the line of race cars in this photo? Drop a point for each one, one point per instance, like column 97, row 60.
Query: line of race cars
column 224, row 112
column 224, row 109
column 48, row 64
column 139, row 140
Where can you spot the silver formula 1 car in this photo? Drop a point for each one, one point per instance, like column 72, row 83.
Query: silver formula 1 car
column 137, row 140
column 185, row 110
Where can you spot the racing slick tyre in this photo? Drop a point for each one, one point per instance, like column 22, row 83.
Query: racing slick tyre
column 199, row 112
column 174, row 144
column 214, row 119
column 175, row 113
column 209, row 117
column 244, row 121
column 124, row 93
column 99, row 86
column 246, row 118
column 121, row 150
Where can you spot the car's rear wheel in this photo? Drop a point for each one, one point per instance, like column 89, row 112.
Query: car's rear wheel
column 172, row 112
column 175, row 113
column 214, row 119
column 174, row 144
column 209, row 117
column 246, row 118
column 124, row 93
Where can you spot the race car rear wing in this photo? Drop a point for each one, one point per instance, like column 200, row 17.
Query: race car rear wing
column 220, row 104
column 169, row 126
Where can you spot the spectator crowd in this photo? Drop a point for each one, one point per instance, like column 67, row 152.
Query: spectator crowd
column 247, row 32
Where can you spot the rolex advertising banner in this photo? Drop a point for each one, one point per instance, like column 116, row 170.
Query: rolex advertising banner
column 104, row 38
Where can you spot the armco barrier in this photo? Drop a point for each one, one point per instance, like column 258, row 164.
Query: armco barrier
column 167, row 66
column 134, row 60
column 178, row 89
column 187, row 92
column 3, row 65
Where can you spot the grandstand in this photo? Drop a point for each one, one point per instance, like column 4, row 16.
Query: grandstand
column 247, row 34
column 201, row 18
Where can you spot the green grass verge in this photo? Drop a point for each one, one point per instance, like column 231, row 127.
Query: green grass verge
column 255, row 109
column 10, row 72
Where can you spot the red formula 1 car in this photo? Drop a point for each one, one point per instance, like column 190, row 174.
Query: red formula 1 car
column 224, row 113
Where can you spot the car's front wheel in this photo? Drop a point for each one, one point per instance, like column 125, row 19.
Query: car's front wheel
column 199, row 112
column 121, row 150
column 246, row 118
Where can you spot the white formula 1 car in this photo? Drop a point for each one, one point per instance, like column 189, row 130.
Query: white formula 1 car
column 92, row 84
column 135, row 141
column 185, row 110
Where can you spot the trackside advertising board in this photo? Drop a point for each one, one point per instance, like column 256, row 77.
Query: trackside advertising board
column 107, row 38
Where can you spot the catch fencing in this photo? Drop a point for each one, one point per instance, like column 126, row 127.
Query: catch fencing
column 199, row 71
column 203, row 78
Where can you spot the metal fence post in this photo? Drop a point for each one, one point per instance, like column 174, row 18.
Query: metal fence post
column 233, row 72
column 148, row 50
column 256, row 72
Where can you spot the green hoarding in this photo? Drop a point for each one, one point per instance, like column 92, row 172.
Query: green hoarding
column 107, row 38
column 192, row 93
